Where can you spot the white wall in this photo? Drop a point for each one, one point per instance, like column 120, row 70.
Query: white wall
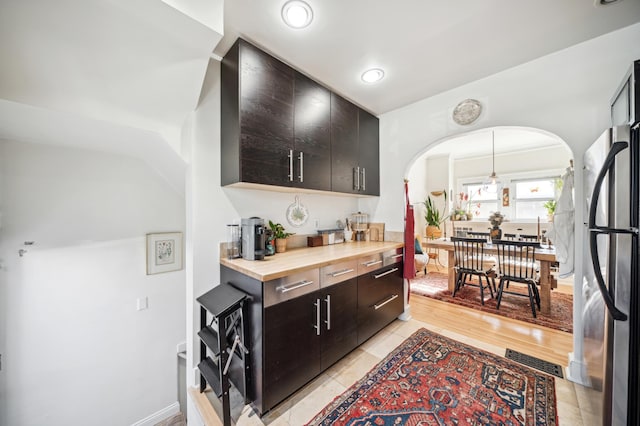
column 566, row 93
column 74, row 348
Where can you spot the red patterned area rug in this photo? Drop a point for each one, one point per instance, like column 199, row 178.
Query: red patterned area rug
column 433, row 380
column 435, row 286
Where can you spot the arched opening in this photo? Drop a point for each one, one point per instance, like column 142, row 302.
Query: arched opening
column 452, row 176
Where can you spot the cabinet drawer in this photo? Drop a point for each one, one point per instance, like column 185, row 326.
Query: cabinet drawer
column 334, row 274
column 370, row 263
column 291, row 286
column 390, row 257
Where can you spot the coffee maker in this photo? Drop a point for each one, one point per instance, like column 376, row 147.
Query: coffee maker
column 253, row 238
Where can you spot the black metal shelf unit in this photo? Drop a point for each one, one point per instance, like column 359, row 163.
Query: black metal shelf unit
column 224, row 355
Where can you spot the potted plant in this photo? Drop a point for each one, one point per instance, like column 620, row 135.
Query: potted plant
column 550, row 206
column 434, row 217
column 496, row 219
column 280, row 235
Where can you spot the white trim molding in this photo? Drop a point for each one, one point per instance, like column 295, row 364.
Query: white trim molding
column 159, row 416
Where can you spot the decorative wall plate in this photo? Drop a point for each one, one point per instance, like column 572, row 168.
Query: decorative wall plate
column 297, row 214
column 467, row 111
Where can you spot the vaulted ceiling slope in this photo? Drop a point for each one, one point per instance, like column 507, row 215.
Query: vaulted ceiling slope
column 134, row 64
column 425, row 47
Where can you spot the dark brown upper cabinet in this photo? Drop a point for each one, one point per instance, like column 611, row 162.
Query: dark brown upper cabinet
column 277, row 128
column 312, row 137
column 369, row 152
column 355, row 148
column 344, row 144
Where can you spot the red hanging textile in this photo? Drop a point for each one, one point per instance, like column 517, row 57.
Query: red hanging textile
column 409, row 246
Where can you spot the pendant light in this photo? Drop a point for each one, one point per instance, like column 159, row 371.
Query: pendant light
column 492, row 183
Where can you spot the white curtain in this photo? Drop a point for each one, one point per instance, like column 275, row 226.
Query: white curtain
column 563, row 227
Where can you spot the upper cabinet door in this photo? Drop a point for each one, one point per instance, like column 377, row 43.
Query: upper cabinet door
column 344, row 145
column 266, row 118
column 312, row 136
column 369, row 152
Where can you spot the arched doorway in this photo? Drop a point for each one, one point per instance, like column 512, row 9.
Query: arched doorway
column 451, row 176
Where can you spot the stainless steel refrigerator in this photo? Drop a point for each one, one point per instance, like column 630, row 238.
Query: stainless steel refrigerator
column 611, row 268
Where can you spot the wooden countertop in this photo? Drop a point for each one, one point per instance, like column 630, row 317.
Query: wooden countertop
column 297, row 260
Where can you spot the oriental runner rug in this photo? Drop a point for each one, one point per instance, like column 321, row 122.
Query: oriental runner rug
column 433, row 380
column 435, row 286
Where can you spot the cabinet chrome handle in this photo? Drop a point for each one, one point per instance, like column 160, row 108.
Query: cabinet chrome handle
column 393, row 297
column 395, row 256
column 364, row 180
column 338, row 273
column 317, row 326
column 290, row 165
column 357, row 178
column 287, row 288
column 390, row 271
column 301, row 158
column 328, row 321
column 371, row 263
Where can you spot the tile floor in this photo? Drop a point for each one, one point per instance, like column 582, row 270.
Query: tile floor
column 573, row 406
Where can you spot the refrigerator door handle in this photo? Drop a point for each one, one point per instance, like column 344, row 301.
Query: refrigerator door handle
column 595, row 230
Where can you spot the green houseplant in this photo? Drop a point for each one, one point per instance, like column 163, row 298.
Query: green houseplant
column 433, row 216
column 550, row 206
column 281, row 235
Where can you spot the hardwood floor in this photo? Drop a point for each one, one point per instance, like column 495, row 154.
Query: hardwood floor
column 540, row 342
column 544, row 343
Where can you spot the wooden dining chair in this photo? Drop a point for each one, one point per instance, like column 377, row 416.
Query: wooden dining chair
column 517, row 264
column 470, row 261
column 525, row 237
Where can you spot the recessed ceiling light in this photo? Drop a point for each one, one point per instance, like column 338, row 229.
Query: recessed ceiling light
column 373, row 75
column 297, row 14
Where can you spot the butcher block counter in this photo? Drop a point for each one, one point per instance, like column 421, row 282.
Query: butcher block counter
column 301, row 259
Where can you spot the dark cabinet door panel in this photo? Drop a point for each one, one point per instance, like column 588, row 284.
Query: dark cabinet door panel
column 266, row 117
column 340, row 321
column 344, row 144
column 312, row 136
column 369, row 152
column 291, row 347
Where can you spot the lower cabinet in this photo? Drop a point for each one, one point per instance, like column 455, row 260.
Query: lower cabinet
column 380, row 299
column 339, row 333
column 304, row 323
column 306, row 335
column 291, row 347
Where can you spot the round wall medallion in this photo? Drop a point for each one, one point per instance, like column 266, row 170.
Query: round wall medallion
column 467, row 111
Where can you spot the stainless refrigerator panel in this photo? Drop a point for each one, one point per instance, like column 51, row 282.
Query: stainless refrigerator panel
column 620, row 279
column 593, row 314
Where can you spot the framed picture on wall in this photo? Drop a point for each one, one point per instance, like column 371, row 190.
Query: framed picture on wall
column 505, row 197
column 164, row 252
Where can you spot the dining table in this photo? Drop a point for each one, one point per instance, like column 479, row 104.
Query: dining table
column 545, row 255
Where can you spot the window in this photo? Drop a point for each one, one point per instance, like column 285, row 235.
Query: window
column 531, row 194
column 528, row 194
column 478, row 199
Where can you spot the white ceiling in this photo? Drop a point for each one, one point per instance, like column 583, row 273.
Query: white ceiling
column 425, row 47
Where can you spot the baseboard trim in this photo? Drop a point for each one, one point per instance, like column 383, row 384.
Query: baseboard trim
column 577, row 371
column 159, row 416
